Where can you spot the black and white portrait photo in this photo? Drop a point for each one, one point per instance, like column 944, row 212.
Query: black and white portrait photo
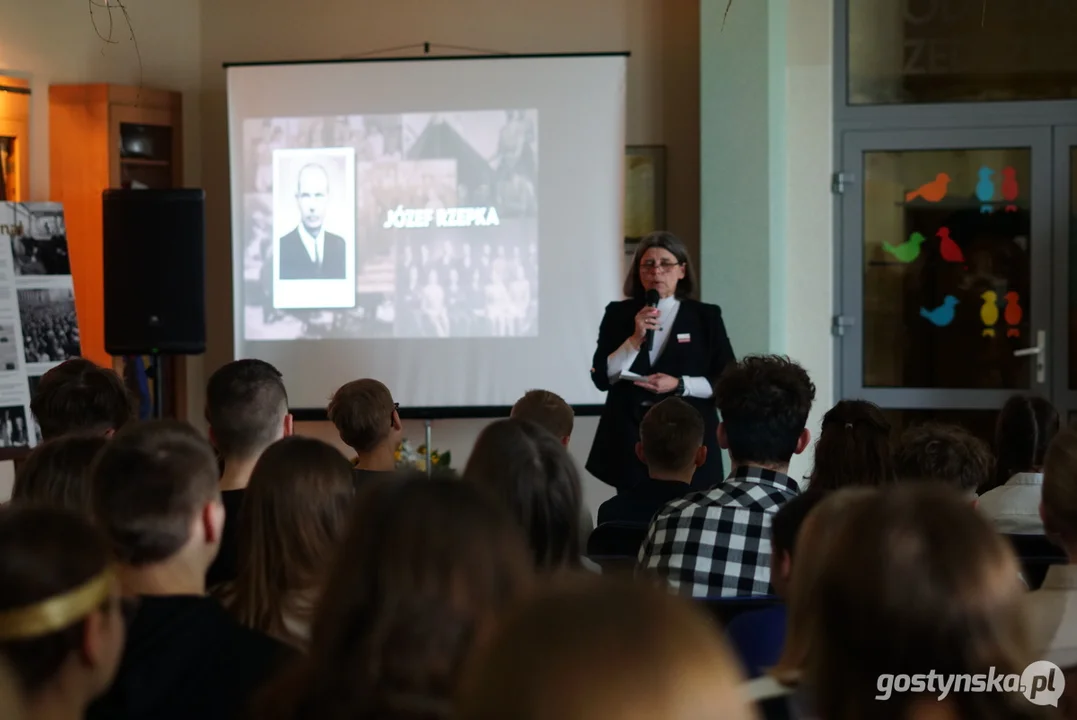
column 41, row 249
column 50, row 330
column 14, row 432
column 311, row 206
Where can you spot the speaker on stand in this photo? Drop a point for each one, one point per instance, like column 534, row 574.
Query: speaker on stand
column 154, row 273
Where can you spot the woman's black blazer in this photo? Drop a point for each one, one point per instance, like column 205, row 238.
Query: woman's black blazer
column 697, row 346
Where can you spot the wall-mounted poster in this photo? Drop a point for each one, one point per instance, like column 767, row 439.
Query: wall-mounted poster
column 38, row 325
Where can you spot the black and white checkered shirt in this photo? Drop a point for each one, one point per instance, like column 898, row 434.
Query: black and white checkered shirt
column 717, row 543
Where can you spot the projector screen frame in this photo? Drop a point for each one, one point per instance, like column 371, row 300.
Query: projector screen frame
column 319, row 414
column 413, row 58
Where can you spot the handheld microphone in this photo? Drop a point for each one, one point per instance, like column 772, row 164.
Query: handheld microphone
column 652, row 301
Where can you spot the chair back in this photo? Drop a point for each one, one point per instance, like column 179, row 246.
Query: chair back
column 724, row 609
column 618, row 539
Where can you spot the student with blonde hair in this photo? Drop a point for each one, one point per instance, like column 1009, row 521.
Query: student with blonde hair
column 603, row 648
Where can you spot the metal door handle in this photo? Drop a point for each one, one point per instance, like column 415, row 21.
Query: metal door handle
column 1040, row 351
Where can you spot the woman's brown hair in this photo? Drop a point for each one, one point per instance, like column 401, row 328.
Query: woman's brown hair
column 853, row 448
column 813, row 548
column 294, row 514
column 686, row 286
column 1026, row 426
column 594, row 647
column 1059, row 495
column 426, row 565
column 530, row 470
column 916, row 582
column 57, row 473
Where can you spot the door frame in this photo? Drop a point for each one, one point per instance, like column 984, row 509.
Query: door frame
column 1063, row 159
column 854, row 144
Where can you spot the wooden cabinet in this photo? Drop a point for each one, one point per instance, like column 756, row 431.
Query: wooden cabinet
column 111, row 136
column 14, row 139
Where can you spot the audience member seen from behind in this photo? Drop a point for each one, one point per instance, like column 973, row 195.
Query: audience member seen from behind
column 549, row 410
column 917, row 580
column 77, row 396
column 155, row 494
column 671, row 446
column 944, row 454
column 682, row 669
column 717, row 544
column 57, row 473
column 247, row 410
column 427, row 565
column 292, row 522
column 853, row 448
column 1026, row 426
column 366, row 417
column 61, row 629
column 530, row 471
column 779, row 690
column 758, row 635
column 1052, row 610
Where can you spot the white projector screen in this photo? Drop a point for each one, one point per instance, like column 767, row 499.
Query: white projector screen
column 451, row 227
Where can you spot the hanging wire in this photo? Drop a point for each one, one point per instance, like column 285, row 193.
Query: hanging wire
column 111, row 6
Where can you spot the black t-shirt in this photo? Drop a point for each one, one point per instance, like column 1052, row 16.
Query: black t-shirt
column 187, row 658
column 225, row 567
column 640, row 503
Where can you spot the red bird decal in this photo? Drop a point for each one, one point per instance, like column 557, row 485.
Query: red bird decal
column 950, row 251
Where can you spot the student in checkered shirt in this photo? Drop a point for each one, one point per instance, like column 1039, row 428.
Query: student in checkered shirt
column 717, row 543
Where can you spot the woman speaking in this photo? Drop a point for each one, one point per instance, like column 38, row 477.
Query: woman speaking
column 658, row 343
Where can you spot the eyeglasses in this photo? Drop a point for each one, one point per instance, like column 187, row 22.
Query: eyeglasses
column 396, row 409
column 662, row 267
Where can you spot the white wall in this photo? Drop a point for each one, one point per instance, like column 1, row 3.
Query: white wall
column 809, row 259
column 54, row 42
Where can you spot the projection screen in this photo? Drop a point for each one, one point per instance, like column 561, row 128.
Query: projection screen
column 449, row 226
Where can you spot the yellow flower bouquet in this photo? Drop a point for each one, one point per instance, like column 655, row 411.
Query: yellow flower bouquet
column 409, row 457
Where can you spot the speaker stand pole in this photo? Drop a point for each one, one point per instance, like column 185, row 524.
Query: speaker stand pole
column 427, row 424
column 158, row 386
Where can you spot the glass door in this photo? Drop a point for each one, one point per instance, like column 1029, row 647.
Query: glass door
column 945, row 271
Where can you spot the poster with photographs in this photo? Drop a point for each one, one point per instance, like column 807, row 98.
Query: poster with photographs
column 38, row 325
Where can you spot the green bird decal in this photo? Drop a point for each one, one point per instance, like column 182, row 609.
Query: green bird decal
column 907, row 251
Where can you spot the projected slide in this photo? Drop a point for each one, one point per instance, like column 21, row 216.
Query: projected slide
column 420, row 225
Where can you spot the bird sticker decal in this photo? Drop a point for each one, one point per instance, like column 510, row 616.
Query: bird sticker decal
column 950, row 250
column 1010, row 189
column 985, row 189
column 907, row 251
column 1013, row 314
column 933, row 191
column 943, row 315
column 989, row 312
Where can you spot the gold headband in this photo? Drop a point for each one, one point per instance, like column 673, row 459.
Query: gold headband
column 56, row 613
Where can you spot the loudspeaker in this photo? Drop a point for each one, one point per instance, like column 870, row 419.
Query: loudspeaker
column 155, row 268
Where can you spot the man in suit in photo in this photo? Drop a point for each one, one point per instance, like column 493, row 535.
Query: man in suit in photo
column 309, row 252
